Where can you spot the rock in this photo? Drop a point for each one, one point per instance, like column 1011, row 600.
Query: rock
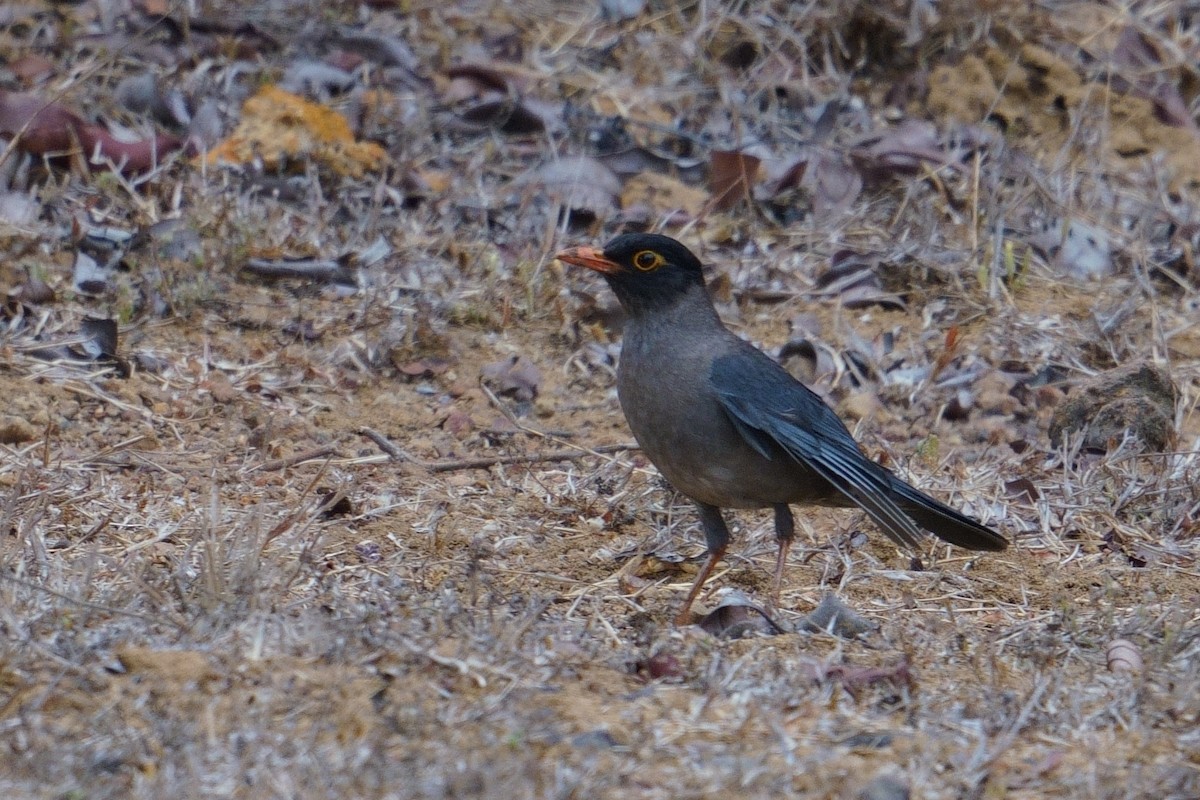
column 885, row 787
column 1138, row 399
column 16, row 430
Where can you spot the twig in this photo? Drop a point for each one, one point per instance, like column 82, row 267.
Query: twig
column 323, row 271
column 483, row 462
column 386, row 446
column 530, row 458
column 503, row 409
column 307, row 455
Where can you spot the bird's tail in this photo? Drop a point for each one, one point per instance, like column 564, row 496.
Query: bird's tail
column 943, row 521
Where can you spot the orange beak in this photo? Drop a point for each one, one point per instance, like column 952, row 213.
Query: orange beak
column 590, row 257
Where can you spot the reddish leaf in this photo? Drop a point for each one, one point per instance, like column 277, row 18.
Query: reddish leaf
column 425, row 367
column 793, row 175
column 31, row 68
column 660, row 666
column 44, row 128
column 731, row 174
column 458, row 423
column 854, row 678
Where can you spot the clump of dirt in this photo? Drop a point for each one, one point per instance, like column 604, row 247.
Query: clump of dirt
column 1139, row 399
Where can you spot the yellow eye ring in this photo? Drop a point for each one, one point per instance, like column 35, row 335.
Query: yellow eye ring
column 647, row 260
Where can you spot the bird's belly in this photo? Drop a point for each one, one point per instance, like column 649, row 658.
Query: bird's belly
column 701, row 454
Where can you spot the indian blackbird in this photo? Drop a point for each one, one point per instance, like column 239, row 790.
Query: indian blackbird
column 729, row 427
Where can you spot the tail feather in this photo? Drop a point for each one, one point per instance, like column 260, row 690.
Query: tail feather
column 943, row 521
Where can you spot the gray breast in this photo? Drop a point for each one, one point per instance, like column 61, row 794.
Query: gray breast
column 675, row 416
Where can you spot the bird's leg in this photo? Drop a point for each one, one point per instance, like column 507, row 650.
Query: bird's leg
column 785, row 532
column 716, row 535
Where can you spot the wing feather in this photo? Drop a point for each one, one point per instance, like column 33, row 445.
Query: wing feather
column 768, row 405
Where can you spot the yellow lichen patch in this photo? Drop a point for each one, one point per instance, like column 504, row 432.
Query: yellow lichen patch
column 279, row 127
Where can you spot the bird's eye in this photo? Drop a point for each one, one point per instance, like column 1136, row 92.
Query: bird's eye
column 647, row 260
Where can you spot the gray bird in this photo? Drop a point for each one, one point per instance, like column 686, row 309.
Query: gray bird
column 730, row 428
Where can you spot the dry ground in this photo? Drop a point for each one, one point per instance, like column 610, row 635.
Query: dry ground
column 181, row 618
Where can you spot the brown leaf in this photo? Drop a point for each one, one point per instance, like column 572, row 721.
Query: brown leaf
column 731, row 176
column 385, row 49
column 220, row 388
column 854, row 678
column 35, row 290
column 31, row 68
column 487, row 77
column 1022, row 489
column 334, row 504
column 425, row 367
column 902, row 150
column 660, row 666
column 789, row 177
column 458, row 423
column 853, row 278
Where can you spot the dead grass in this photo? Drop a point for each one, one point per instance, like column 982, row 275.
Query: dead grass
column 181, row 618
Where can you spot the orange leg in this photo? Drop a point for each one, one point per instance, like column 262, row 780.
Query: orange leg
column 684, row 617
column 716, row 535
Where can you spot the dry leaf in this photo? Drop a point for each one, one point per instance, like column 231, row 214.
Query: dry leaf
column 45, row 128
column 514, row 376
column 578, row 183
column 835, row 617
column 736, row 617
column 731, row 177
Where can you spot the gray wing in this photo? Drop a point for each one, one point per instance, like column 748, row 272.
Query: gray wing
column 769, row 407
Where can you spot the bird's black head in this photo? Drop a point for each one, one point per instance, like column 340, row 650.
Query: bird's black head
column 647, row 271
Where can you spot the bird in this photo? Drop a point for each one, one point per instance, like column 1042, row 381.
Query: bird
column 730, row 428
